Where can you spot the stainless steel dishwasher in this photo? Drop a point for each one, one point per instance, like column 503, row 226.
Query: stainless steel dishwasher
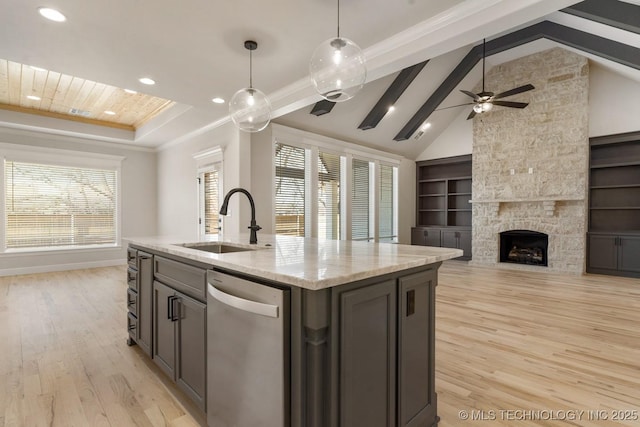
column 247, row 353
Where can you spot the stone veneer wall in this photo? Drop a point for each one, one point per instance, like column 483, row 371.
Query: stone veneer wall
column 550, row 136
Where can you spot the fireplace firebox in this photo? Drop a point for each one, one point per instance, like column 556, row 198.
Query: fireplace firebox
column 524, row 247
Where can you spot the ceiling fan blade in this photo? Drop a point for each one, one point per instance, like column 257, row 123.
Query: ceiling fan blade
column 510, row 104
column 471, row 94
column 471, row 115
column 454, row 106
column 514, row 91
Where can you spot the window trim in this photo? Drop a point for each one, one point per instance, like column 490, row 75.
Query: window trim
column 66, row 158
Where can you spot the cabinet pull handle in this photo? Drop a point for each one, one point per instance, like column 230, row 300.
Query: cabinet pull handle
column 175, row 312
column 170, row 307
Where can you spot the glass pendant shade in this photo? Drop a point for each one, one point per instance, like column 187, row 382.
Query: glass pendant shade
column 337, row 69
column 250, row 110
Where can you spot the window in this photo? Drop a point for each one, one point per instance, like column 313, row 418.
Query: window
column 361, row 189
column 387, row 204
column 210, row 201
column 59, row 206
column 290, row 190
column 328, row 196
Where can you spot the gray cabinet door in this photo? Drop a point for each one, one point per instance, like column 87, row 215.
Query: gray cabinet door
column 603, row 251
column 416, row 342
column 629, row 253
column 164, row 328
column 458, row 239
column 191, row 369
column 368, row 356
column 145, row 301
column 465, row 242
column 425, row 236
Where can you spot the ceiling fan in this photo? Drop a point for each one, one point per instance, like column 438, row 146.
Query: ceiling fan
column 484, row 101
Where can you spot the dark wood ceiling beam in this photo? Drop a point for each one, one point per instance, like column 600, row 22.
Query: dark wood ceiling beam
column 586, row 42
column 464, row 67
column 322, row 107
column 619, row 14
column 391, row 95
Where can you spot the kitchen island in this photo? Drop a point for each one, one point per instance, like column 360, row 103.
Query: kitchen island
column 291, row 331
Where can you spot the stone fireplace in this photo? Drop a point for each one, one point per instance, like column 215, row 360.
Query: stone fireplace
column 530, row 166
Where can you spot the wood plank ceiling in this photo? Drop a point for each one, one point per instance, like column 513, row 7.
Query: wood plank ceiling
column 66, row 97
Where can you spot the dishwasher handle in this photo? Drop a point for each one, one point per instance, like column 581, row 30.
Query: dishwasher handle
column 244, row 304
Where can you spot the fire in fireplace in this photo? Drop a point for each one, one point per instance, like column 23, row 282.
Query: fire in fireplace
column 524, row 247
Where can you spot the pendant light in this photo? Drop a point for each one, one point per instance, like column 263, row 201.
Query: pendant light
column 249, row 108
column 337, row 68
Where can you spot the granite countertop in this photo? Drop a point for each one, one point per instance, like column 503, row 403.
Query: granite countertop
column 304, row 262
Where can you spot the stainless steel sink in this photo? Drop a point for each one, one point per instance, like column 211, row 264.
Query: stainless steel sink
column 216, row 248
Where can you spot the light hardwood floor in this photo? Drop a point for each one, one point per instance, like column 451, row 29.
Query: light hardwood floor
column 508, row 343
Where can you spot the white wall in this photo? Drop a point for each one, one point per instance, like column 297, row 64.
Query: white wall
column 406, row 200
column 262, row 184
column 455, row 140
column 138, row 204
column 614, row 105
column 177, row 181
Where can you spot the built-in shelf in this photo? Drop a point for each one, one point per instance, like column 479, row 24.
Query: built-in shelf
column 602, row 187
column 614, row 205
column 615, row 165
column 615, row 208
column 443, row 214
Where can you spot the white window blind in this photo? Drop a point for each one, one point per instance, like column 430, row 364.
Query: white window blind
column 290, row 190
column 386, row 206
column 58, row 206
column 328, row 196
column 211, row 202
column 360, row 201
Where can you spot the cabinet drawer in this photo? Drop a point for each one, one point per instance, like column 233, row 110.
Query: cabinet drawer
column 132, row 325
column 132, row 278
column 132, row 301
column 183, row 277
column 132, row 255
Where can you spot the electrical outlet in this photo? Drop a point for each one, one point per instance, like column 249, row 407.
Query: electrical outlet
column 512, row 171
column 530, row 170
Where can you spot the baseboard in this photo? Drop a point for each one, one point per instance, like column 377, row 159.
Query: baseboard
column 61, row 267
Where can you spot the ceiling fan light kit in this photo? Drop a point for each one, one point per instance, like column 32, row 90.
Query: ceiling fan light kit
column 250, row 108
column 337, row 68
column 484, row 101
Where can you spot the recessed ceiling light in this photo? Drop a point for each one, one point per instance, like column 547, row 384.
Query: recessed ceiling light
column 426, row 126
column 147, row 81
column 33, row 67
column 33, row 97
column 130, row 91
column 217, row 100
column 111, row 113
column 52, row 14
column 391, row 109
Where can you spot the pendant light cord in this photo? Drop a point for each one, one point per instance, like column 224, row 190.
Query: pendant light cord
column 250, row 69
column 338, row 18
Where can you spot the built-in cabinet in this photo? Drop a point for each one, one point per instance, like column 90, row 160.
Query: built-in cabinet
column 180, row 325
column 443, row 207
column 614, row 205
column 386, row 352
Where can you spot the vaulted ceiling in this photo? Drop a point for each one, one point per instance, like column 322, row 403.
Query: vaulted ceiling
column 195, row 52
